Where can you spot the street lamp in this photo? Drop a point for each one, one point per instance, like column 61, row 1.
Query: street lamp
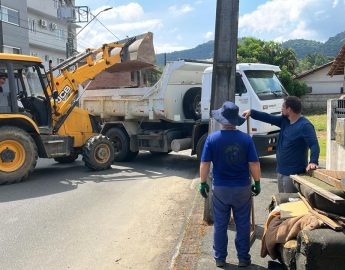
column 106, row 9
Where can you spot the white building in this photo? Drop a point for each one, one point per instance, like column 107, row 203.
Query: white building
column 47, row 33
column 319, row 82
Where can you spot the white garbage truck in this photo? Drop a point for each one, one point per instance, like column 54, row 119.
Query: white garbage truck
column 173, row 115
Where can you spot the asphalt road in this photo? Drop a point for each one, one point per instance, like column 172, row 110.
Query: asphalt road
column 66, row 217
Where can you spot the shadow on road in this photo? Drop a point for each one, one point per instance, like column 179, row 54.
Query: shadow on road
column 53, row 178
column 230, row 266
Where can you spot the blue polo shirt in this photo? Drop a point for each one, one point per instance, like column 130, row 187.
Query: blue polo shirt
column 230, row 151
column 293, row 144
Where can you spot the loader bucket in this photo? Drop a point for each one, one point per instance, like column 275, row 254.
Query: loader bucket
column 139, row 54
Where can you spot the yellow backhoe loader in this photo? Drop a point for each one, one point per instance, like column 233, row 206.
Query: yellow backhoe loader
column 39, row 116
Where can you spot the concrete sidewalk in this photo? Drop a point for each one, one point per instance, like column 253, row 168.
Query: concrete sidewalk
column 196, row 248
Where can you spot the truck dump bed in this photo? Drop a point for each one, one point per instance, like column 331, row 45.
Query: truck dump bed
column 164, row 100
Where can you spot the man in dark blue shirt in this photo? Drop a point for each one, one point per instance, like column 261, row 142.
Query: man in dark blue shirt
column 234, row 157
column 297, row 136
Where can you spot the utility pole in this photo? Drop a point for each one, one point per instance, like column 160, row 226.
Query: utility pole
column 70, row 40
column 71, row 14
column 224, row 69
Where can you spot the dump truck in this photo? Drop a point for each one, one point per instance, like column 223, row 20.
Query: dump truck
column 39, row 116
column 173, row 114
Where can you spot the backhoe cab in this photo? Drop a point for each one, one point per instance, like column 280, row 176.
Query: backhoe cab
column 39, row 116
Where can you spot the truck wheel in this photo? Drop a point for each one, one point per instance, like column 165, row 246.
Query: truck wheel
column 192, row 103
column 68, row 159
column 18, row 155
column 98, row 153
column 120, row 140
column 200, row 146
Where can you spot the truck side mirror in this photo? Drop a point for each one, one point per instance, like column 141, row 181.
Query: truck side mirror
column 239, row 92
column 239, row 85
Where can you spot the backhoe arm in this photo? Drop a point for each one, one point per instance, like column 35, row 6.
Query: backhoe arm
column 86, row 65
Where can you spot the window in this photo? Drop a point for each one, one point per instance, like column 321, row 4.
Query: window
column 265, row 84
column 46, row 58
column 9, row 15
column 10, row 49
column 60, row 34
column 32, row 24
column 56, row 3
column 32, row 82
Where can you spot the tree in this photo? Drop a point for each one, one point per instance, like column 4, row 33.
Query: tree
column 312, row 61
column 269, row 52
column 293, row 87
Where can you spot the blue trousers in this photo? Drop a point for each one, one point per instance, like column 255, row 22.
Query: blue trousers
column 237, row 200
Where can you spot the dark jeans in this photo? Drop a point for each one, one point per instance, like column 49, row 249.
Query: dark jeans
column 237, row 200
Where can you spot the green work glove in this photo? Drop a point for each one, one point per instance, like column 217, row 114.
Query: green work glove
column 256, row 189
column 204, row 189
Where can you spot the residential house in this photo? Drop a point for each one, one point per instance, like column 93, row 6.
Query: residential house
column 338, row 66
column 319, row 82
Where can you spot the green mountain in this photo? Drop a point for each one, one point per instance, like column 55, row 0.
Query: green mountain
column 202, row 51
column 301, row 47
column 304, row 47
column 333, row 45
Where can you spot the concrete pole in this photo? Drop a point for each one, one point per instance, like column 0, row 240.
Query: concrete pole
column 225, row 52
column 224, row 70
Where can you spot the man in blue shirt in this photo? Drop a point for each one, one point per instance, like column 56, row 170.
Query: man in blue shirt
column 234, row 157
column 297, row 136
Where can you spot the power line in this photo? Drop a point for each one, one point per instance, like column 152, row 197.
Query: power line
column 104, row 26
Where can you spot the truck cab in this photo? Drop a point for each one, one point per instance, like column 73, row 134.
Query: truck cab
column 258, row 88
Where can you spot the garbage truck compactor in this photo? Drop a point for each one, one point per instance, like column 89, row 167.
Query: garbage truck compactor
column 39, row 116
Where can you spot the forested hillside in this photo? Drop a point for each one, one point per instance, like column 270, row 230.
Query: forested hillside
column 301, row 47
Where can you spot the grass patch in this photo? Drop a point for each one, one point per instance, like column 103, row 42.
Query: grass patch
column 320, row 123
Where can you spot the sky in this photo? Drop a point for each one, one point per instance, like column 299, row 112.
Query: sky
column 183, row 24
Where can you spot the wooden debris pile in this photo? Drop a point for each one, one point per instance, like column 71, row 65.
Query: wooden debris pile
column 323, row 193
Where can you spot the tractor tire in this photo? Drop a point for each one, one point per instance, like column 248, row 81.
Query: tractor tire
column 18, row 155
column 120, row 141
column 67, row 159
column 98, row 153
column 200, row 146
column 192, row 103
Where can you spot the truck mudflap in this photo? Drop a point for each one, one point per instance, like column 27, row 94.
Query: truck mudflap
column 266, row 144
